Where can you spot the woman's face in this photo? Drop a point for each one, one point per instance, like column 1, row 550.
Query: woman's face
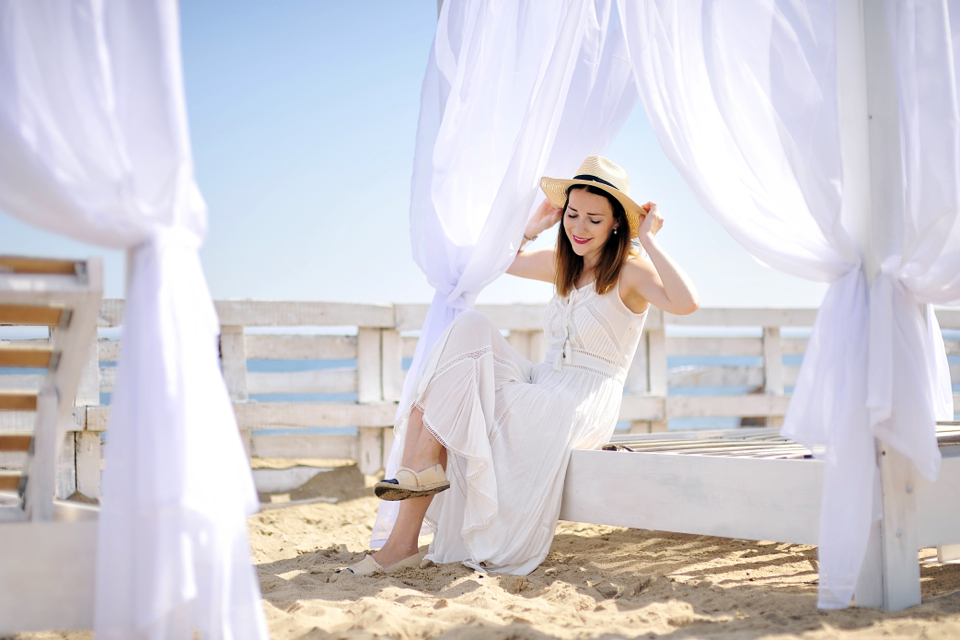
column 588, row 222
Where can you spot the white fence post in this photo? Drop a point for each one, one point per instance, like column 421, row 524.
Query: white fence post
column 368, row 366
column 772, row 369
column 391, row 366
column 370, row 391
column 657, row 366
column 636, row 383
column 233, row 357
column 87, row 443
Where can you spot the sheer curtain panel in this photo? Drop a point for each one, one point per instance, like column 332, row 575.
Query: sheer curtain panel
column 512, row 91
column 94, row 145
column 772, row 134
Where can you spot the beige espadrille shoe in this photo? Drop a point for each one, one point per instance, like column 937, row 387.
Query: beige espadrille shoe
column 411, row 484
column 368, row 566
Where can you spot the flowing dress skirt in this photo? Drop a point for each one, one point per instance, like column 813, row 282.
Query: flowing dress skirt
column 508, row 426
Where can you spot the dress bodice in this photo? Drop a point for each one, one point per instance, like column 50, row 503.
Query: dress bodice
column 589, row 331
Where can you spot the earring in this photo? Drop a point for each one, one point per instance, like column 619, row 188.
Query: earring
column 614, row 231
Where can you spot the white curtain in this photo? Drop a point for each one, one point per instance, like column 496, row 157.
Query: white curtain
column 94, row 145
column 512, row 91
column 753, row 125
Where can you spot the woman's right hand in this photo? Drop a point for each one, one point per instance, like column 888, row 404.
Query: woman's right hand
column 543, row 218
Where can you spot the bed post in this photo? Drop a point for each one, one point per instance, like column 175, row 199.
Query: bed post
column 870, row 140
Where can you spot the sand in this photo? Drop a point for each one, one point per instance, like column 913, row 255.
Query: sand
column 597, row 582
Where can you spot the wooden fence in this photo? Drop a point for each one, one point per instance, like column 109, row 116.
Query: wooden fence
column 371, row 338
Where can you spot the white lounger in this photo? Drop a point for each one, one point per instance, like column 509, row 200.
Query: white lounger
column 741, row 483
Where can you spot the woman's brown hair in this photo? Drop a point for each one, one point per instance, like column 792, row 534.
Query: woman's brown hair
column 616, row 250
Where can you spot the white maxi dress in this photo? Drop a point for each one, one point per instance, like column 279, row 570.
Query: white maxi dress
column 509, row 425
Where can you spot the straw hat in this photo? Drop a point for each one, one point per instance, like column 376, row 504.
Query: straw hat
column 597, row 171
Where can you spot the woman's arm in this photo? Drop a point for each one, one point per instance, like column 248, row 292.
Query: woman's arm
column 537, row 265
column 659, row 280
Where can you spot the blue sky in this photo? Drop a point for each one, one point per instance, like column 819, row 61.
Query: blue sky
column 303, row 116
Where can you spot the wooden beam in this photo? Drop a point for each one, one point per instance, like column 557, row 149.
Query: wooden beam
column 9, row 480
column 15, row 441
column 40, row 315
column 30, row 357
column 16, row 264
column 18, row 400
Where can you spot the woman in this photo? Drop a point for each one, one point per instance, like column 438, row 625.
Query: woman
column 497, row 430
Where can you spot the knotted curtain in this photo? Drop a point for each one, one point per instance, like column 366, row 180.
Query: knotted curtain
column 754, row 126
column 94, row 145
column 512, row 91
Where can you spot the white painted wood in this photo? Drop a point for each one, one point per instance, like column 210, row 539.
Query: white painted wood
column 409, row 346
column 509, row 317
column 111, row 312
column 22, row 381
column 318, row 381
column 263, row 313
column 937, row 523
column 642, row 408
column 88, row 458
column 869, row 589
column 657, row 367
column 391, row 365
column 42, row 470
column 723, row 376
column 261, row 415
column 27, row 289
column 24, row 420
column 755, row 499
column 88, row 391
column 873, row 200
column 109, row 350
column 234, row 361
column 108, row 379
column 899, row 533
column 368, row 366
column 708, row 406
column 636, row 384
column 370, row 456
column 305, row 446
column 66, row 476
column 296, row 347
column 745, row 318
column 520, row 340
column 948, row 318
column 772, row 362
column 283, row 480
column 687, row 346
column 948, row 553
column 246, row 439
column 52, row 566
column 773, row 377
column 388, row 438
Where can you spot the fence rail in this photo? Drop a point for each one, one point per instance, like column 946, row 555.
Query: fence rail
column 369, row 348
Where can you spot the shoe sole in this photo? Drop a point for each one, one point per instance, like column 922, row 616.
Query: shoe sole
column 393, row 492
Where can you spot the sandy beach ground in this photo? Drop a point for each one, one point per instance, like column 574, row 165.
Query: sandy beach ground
column 597, row 582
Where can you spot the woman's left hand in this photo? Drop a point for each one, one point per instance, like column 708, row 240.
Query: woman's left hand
column 651, row 223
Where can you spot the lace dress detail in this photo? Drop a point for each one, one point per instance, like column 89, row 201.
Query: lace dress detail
column 509, row 425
